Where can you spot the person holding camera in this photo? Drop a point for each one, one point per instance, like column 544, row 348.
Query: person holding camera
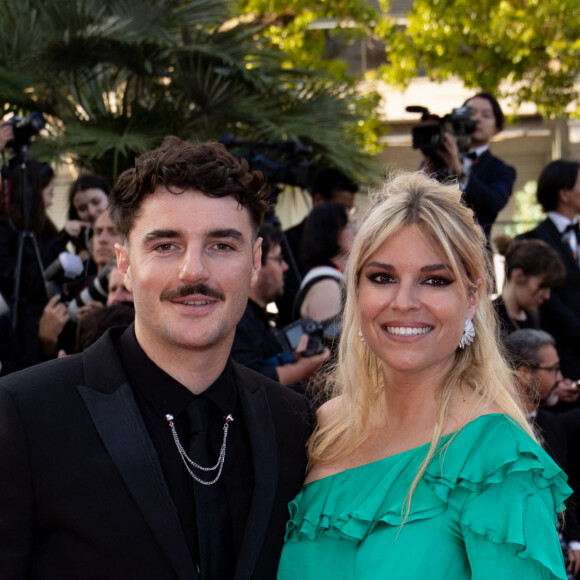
column 486, row 181
column 25, row 226
column 83, row 295
column 88, row 197
column 255, row 343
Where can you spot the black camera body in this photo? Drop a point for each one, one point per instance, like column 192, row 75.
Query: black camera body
column 320, row 334
column 24, row 128
column 430, row 134
column 284, row 162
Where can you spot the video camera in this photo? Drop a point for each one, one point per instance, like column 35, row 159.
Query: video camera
column 320, row 334
column 97, row 290
column 24, row 128
column 430, row 134
column 285, row 163
column 66, row 267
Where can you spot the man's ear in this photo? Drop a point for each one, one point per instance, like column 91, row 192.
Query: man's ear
column 124, row 265
column 518, row 276
column 526, row 371
column 256, row 261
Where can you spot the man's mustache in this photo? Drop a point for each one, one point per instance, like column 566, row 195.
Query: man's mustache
column 190, row 289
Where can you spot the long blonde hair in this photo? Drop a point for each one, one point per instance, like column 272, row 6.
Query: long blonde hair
column 414, row 199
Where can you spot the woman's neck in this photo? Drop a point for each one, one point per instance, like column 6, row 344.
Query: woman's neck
column 512, row 306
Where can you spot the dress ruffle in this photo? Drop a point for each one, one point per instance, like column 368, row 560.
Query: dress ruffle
column 491, row 461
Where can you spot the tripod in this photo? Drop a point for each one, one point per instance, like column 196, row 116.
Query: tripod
column 17, row 170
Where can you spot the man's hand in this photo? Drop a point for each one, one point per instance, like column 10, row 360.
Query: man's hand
column 567, row 391
column 74, row 227
column 574, row 562
column 54, row 317
column 450, row 156
column 304, row 366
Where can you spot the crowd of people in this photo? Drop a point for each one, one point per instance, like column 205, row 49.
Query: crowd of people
column 397, row 413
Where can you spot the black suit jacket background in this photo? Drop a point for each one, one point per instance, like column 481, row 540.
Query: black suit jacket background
column 488, row 190
column 82, row 494
column 560, row 314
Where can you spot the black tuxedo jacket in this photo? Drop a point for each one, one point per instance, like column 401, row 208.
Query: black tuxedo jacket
column 560, row 314
column 82, row 493
column 488, row 190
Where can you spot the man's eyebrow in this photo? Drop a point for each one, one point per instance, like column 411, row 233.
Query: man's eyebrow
column 230, row 233
column 221, row 233
column 160, row 234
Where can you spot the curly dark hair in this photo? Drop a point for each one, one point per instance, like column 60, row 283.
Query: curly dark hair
column 180, row 166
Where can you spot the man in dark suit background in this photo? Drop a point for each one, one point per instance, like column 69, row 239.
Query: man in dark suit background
column 487, row 182
column 101, row 452
column 533, row 356
column 558, row 193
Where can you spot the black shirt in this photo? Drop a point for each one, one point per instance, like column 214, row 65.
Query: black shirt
column 157, row 395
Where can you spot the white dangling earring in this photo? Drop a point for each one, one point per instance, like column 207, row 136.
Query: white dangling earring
column 468, row 334
column 361, row 337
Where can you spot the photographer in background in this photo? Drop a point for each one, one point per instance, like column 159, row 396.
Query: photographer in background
column 57, row 328
column 255, row 344
column 24, row 223
column 88, row 198
column 486, row 181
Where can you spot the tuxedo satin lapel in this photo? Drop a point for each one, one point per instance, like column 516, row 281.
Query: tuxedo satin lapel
column 121, row 428
column 554, row 238
column 262, row 436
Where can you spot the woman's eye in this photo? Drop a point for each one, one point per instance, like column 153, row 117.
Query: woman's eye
column 381, row 278
column 438, row 281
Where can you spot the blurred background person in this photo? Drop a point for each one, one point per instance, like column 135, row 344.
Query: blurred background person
column 327, row 239
column 88, row 197
column 530, row 352
column 58, row 324
column 118, row 293
column 256, row 345
column 23, row 221
column 558, row 193
column 532, row 269
column 92, row 326
column 486, row 181
column 329, row 185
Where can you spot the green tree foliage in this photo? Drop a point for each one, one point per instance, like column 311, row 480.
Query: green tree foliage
column 528, row 50
column 115, row 76
column 303, row 29
column 528, row 211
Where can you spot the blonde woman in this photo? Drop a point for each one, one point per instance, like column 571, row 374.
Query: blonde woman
column 423, row 465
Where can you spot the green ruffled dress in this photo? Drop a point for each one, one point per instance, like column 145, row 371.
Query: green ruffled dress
column 485, row 509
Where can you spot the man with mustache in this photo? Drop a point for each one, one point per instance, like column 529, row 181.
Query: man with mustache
column 152, row 455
